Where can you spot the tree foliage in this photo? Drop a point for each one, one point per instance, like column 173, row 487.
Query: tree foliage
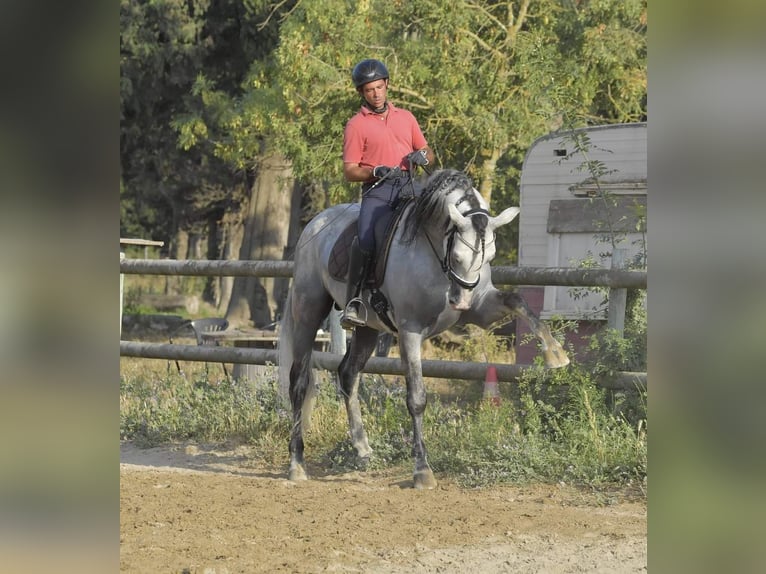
column 166, row 48
column 484, row 78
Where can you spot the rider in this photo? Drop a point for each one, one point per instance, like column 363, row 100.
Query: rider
column 380, row 144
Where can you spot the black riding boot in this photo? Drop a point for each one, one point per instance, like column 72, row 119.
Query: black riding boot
column 358, row 267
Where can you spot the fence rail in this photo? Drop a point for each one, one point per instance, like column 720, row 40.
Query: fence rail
column 329, row 361
column 501, row 275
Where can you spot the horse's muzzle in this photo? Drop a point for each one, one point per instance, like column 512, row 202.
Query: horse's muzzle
column 459, row 298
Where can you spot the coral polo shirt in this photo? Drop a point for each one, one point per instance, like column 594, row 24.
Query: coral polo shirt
column 371, row 140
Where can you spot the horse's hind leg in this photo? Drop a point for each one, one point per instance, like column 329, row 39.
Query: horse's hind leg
column 301, row 384
column 306, row 312
column 362, row 344
column 553, row 352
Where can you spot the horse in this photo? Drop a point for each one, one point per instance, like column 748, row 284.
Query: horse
column 437, row 276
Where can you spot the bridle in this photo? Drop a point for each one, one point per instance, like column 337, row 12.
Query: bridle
column 453, row 234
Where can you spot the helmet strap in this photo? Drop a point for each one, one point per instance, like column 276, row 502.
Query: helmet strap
column 379, row 110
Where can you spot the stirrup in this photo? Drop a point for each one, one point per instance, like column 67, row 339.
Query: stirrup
column 350, row 317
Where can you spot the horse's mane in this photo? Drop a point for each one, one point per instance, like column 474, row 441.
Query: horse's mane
column 431, row 206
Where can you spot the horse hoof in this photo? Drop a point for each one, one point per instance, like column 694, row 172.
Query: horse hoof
column 424, row 479
column 555, row 358
column 297, row 474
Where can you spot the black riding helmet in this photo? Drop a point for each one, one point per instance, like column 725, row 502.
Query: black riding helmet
column 368, row 71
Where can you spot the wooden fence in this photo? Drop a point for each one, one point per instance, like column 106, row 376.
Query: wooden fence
column 554, row 276
column 612, row 278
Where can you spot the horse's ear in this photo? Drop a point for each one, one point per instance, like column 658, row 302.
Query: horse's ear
column 506, row 216
column 457, row 218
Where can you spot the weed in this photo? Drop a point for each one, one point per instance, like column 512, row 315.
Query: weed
column 553, row 426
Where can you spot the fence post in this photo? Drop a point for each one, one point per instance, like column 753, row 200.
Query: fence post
column 617, row 297
column 125, row 241
column 337, row 333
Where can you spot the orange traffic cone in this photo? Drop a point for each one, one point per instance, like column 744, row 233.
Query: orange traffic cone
column 491, row 393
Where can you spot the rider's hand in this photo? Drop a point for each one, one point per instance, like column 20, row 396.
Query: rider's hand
column 382, row 171
column 417, row 157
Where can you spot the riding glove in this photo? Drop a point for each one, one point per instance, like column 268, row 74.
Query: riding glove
column 417, row 157
column 383, row 171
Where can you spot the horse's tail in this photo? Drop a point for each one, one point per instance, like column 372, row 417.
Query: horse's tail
column 285, row 357
column 285, row 348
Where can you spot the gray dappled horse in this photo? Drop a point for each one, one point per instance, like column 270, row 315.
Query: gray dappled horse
column 438, row 275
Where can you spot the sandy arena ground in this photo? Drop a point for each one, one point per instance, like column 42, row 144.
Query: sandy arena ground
column 210, row 509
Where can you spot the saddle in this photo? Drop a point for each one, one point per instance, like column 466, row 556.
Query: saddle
column 384, row 233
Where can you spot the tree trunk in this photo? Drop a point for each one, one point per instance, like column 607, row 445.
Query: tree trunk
column 180, row 244
column 232, row 242
column 179, row 247
column 195, row 246
column 488, row 175
column 212, row 291
column 266, row 230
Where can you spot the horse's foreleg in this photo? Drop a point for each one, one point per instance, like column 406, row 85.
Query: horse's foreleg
column 300, row 382
column 409, row 346
column 496, row 305
column 362, row 344
column 553, row 352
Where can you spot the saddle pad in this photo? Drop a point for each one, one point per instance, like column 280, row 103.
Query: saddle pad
column 341, row 253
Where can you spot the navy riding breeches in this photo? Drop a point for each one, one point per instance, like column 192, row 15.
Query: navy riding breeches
column 377, row 201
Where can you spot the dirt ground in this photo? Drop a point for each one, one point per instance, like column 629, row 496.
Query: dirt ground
column 210, row 509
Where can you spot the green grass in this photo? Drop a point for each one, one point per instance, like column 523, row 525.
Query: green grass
column 162, row 406
column 553, row 426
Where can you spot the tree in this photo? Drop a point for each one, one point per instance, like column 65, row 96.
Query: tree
column 167, row 49
column 485, row 79
column 183, row 60
column 159, row 55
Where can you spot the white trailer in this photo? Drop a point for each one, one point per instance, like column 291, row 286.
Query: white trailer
column 567, row 214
